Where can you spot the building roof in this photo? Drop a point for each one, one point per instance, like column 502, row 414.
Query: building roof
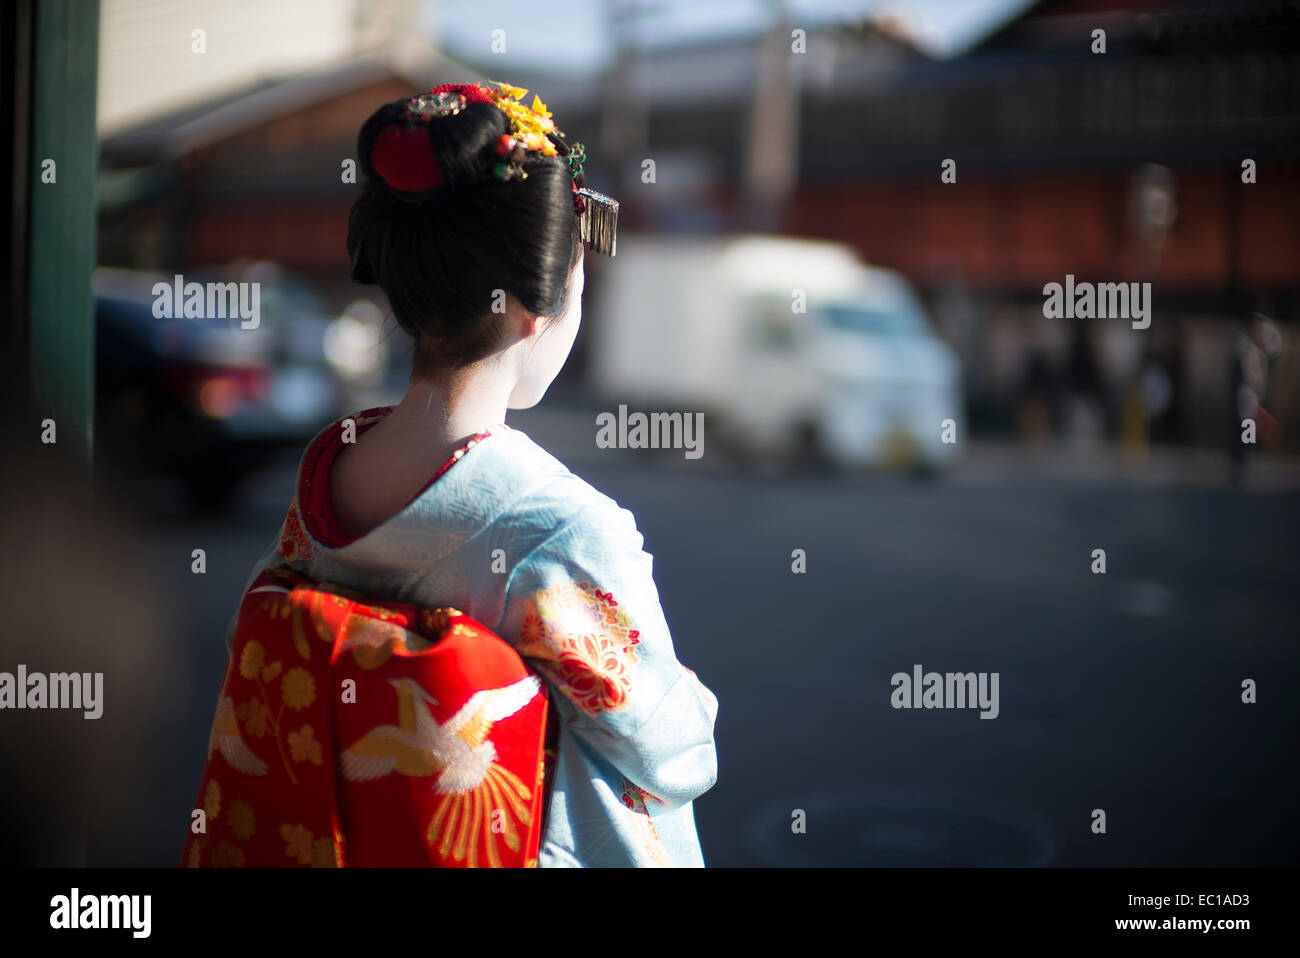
column 184, row 130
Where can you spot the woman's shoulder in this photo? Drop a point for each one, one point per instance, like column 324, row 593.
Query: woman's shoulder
column 548, row 520
column 542, row 485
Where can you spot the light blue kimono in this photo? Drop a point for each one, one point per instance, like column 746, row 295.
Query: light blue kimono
column 512, row 538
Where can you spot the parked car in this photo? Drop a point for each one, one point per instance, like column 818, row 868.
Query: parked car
column 203, row 400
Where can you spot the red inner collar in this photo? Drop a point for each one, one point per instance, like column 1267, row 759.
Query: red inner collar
column 314, row 488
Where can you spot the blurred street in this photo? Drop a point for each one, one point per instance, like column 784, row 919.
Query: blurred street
column 1119, row 691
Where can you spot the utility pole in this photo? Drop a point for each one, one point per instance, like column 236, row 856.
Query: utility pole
column 771, row 156
column 624, row 116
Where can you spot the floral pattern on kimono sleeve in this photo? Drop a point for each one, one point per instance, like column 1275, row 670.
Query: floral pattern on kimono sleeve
column 583, row 609
column 587, row 642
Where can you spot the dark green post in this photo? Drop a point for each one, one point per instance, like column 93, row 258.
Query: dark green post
column 63, row 166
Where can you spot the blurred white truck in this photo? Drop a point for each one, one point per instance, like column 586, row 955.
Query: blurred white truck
column 788, row 347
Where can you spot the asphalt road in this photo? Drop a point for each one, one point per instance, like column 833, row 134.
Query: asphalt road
column 1119, row 692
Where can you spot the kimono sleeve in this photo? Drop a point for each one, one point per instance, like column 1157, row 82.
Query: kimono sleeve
column 583, row 609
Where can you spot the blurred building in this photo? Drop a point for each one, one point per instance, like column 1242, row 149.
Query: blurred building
column 255, row 174
column 1122, row 166
column 161, row 55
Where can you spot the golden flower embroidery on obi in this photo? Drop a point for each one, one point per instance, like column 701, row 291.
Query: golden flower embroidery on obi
column 226, row 855
column 212, row 801
column 306, row 849
column 255, row 716
column 241, row 820
column 298, row 689
column 251, row 660
column 304, row 747
column 295, row 544
column 584, row 641
column 259, row 717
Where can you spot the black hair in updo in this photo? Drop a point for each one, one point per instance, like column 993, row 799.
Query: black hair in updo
column 440, row 255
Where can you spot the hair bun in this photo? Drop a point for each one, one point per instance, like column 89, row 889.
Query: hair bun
column 400, row 143
column 455, row 206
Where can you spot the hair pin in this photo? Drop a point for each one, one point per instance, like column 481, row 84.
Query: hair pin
column 431, row 104
column 598, row 221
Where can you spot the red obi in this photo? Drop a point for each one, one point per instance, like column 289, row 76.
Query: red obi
column 350, row 732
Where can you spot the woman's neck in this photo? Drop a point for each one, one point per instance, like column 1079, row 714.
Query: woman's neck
column 391, row 462
column 441, row 412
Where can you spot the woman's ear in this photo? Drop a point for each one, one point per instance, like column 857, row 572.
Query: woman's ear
column 526, row 321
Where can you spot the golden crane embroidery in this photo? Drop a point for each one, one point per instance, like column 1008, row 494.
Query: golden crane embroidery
column 473, row 784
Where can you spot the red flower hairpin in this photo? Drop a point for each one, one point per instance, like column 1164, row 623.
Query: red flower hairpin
column 404, row 158
column 403, row 154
